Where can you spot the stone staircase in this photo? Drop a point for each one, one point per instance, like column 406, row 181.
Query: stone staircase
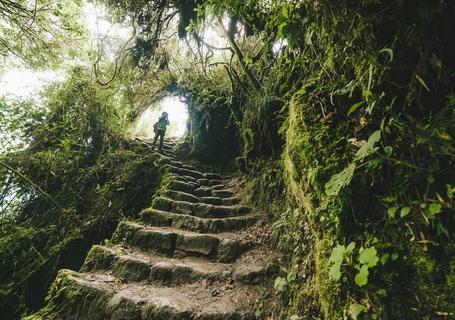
column 191, row 255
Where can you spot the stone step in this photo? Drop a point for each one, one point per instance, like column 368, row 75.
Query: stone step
column 192, row 173
column 179, row 183
column 180, row 164
column 99, row 296
column 175, row 162
column 175, row 242
column 186, row 179
column 187, row 222
column 182, row 186
column 203, row 192
column 129, row 264
column 184, row 196
column 166, row 144
column 185, row 172
column 202, row 210
column 133, row 265
column 220, row 201
column 215, row 184
column 212, row 176
column 209, row 182
column 180, row 196
column 218, row 187
column 222, row 193
column 210, row 192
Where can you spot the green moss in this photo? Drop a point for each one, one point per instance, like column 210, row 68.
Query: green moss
column 98, row 258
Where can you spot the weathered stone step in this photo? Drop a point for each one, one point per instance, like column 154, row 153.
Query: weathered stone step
column 98, row 296
column 182, row 186
column 192, row 172
column 222, row 193
column 186, row 179
column 202, row 210
column 210, row 182
column 210, row 192
column 175, row 242
column 132, row 265
column 197, row 183
column 188, row 197
column 187, row 222
column 166, row 144
column 180, row 196
column 129, row 264
column 212, row 176
column 220, row 201
column 185, row 172
column 180, row 164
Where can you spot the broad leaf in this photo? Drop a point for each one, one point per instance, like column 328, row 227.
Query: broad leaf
column 361, row 278
column 405, row 211
column 369, row 257
column 391, row 212
column 434, row 209
column 339, row 180
column 350, row 248
column 337, row 254
column 356, row 309
column 335, row 272
column 368, row 148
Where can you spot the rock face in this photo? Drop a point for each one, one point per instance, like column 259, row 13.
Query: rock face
column 190, row 256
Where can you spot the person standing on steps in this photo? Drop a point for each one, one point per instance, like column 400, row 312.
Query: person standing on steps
column 160, row 129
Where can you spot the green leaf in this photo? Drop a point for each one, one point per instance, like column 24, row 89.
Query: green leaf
column 450, row 191
column 391, row 212
column 389, row 52
column 361, row 278
column 355, row 106
column 384, row 258
column 388, row 151
column 366, row 94
column 350, row 248
column 294, row 317
column 285, row 12
column 335, row 272
column 389, row 199
column 308, row 36
column 356, row 309
column 339, row 180
column 369, row 257
column 434, row 209
column 405, row 211
column 337, row 254
column 368, row 148
column 280, row 283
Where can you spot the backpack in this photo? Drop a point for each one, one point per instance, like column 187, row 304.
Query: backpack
column 160, row 125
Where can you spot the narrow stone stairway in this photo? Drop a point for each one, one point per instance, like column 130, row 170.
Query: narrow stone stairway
column 191, row 255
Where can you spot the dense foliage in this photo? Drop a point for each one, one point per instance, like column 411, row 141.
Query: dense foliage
column 346, row 108
column 66, row 189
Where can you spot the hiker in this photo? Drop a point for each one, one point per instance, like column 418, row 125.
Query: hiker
column 160, row 129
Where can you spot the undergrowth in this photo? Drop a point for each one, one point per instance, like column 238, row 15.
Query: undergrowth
column 66, row 191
